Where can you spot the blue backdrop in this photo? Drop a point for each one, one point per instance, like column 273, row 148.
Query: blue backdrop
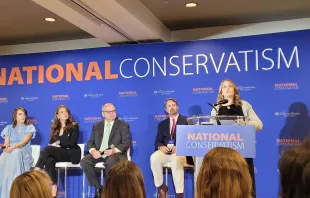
column 271, row 71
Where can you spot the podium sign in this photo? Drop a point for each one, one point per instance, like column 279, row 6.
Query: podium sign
column 197, row 140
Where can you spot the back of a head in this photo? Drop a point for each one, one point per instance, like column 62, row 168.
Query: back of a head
column 224, row 173
column 294, row 167
column 306, row 143
column 33, row 184
column 124, row 180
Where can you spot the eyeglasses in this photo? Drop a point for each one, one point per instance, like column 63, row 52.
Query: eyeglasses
column 109, row 112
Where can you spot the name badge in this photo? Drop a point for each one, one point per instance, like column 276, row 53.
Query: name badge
column 170, row 144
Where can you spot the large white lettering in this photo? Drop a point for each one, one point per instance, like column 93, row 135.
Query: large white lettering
column 204, row 64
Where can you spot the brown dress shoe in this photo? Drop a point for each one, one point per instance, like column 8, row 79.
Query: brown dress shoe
column 163, row 189
column 180, row 195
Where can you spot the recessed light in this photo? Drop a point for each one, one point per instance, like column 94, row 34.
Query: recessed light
column 191, row 5
column 50, row 19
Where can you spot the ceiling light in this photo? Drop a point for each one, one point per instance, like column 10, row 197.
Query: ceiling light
column 50, row 19
column 191, row 5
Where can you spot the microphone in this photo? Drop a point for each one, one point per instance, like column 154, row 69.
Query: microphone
column 224, row 101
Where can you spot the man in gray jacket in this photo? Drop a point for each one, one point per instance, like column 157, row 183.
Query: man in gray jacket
column 108, row 143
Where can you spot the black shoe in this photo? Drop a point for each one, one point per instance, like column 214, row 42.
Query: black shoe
column 98, row 191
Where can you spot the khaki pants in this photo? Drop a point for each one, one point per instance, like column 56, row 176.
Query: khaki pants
column 158, row 159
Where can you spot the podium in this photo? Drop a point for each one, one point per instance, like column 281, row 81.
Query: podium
column 206, row 132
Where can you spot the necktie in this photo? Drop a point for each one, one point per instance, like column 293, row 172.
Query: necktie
column 172, row 128
column 106, row 135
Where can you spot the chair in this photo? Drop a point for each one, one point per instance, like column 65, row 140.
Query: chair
column 69, row 165
column 167, row 167
column 35, row 150
column 100, row 166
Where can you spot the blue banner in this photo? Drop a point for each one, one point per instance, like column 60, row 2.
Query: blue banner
column 197, row 140
column 271, row 72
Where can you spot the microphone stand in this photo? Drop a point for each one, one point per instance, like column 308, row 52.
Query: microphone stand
column 216, row 118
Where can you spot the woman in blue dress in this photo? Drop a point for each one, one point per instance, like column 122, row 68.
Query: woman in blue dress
column 16, row 157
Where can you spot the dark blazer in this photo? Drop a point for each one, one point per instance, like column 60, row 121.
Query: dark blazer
column 69, row 141
column 163, row 134
column 120, row 137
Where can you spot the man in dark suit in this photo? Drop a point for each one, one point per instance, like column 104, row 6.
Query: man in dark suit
column 166, row 147
column 109, row 142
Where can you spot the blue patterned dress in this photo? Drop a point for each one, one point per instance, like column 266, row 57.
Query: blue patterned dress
column 18, row 161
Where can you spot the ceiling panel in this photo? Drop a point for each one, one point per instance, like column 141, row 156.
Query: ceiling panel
column 22, row 21
column 176, row 16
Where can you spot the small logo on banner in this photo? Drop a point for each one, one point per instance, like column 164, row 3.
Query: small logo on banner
column 29, row 98
column 287, row 114
column 2, row 123
column 4, row 100
column 92, row 119
column 128, row 118
column 126, row 94
column 169, row 195
column 288, row 142
column 33, row 121
column 246, row 88
column 160, row 117
column 203, row 90
column 61, row 193
column 163, row 92
column 286, row 86
column 60, row 97
column 134, row 143
column 93, row 95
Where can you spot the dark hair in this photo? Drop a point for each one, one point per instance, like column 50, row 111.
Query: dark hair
column 294, row 167
column 56, row 126
column 173, row 100
column 124, row 180
column 14, row 121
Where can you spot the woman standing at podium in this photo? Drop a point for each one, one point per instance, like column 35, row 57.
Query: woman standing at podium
column 235, row 106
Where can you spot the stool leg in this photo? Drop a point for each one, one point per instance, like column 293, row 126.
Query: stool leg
column 166, row 169
column 184, row 183
column 101, row 176
column 58, row 177
column 156, row 191
column 58, row 173
column 65, row 182
column 83, row 186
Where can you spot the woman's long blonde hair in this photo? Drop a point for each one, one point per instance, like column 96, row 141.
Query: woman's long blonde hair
column 124, row 180
column 224, row 174
column 33, row 184
column 237, row 100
